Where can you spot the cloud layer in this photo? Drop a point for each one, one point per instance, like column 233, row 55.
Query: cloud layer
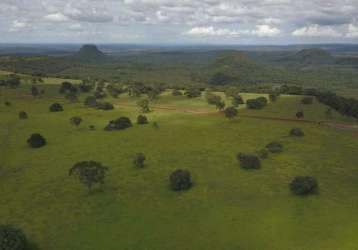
column 186, row 21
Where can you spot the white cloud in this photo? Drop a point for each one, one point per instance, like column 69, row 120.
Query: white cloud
column 76, row 27
column 265, row 30
column 211, row 31
column 20, row 25
column 316, row 31
column 56, row 17
column 352, row 31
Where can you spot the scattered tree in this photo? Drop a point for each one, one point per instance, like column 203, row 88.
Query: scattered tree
column 274, row 147
column 90, row 101
column 304, row 185
column 76, row 121
column 263, row 154
column 144, row 105
column 105, row 106
column 297, row 132
column 23, row 115
column 36, row 141
column 300, row 115
column 192, row 92
column 12, row 238
column 258, row 103
column 248, row 161
column 177, row 92
column 56, row 107
column 7, row 103
column 139, row 159
column 35, row 91
column 142, row 119
column 119, row 124
column 273, row 97
column 230, row 112
column 89, row 173
column 180, row 180
column 92, row 127
column 237, row 100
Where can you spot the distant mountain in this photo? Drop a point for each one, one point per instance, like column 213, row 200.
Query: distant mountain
column 310, row 56
column 236, row 67
column 90, row 53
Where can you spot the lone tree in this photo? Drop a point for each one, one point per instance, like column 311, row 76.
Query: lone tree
column 230, row 112
column 23, row 115
column 138, row 160
column 89, row 173
column 36, row 141
column 248, row 161
column 12, row 238
column 307, row 100
column 237, row 100
column 300, row 115
column 119, row 124
column 274, row 147
column 56, row 107
column 304, row 185
column 75, row 121
column 177, row 92
column 144, row 105
column 142, row 119
column 192, row 92
column 180, row 180
column 297, row 132
column 258, row 103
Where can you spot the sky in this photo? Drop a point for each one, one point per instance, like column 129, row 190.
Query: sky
column 179, row 21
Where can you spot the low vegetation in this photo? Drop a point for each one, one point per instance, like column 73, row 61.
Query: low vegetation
column 180, row 180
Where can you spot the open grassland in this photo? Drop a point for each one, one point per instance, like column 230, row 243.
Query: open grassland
column 228, row 207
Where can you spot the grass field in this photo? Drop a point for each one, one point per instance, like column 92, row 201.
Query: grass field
column 227, row 208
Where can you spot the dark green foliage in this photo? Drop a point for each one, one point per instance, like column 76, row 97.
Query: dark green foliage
column 180, row 180
column 67, row 87
column 192, row 92
column 177, row 92
column 138, row 160
column 56, row 107
column 300, row 114
column 119, row 124
column 90, row 101
column 7, row 103
column 92, row 127
column 258, row 103
column 230, row 112
column 232, row 92
column 304, row 185
column 99, row 94
column 274, row 147
column 35, row 91
column 36, row 141
column 297, row 132
column 237, row 100
column 23, row 115
column 263, row 154
column 89, row 173
column 144, row 105
column 86, row 86
column 220, row 78
column 104, row 106
column 307, row 100
column 142, row 119
column 13, row 81
column 248, row 161
column 155, row 125
column 12, row 238
column 216, row 100
column 273, row 97
column 76, row 121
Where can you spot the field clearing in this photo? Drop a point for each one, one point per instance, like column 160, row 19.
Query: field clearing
column 228, row 207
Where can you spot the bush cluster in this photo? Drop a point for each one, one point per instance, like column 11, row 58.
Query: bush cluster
column 12, row 238
column 304, row 185
column 274, row 147
column 297, row 132
column 249, row 161
column 180, row 180
column 23, row 115
column 142, row 119
column 36, row 141
column 56, row 107
column 119, row 124
column 258, row 103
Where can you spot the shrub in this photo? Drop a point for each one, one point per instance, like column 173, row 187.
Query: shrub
column 36, row 141
column 12, row 238
column 274, row 147
column 273, row 97
column 144, row 105
column 237, row 100
column 257, row 103
column 180, row 180
column 92, row 127
column 105, row 106
column 297, row 132
column 177, row 92
column 230, row 112
column 304, row 185
column 119, row 124
column 307, row 100
column 263, row 154
column 142, row 119
column 56, row 107
column 76, row 121
column 300, row 114
column 139, row 160
column 23, row 115
column 89, row 173
column 193, row 92
column 248, row 161
column 90, row 101
column 7, row 103
column 155, row 125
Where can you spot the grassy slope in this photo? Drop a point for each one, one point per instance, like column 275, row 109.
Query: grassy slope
column 228, row 208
